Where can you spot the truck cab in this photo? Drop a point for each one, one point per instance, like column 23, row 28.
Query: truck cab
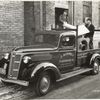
column 54, row 56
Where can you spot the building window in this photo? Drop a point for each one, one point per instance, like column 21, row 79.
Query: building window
column 87, row 9
column 58, row 12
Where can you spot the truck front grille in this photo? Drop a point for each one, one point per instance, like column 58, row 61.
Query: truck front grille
column 14, row 66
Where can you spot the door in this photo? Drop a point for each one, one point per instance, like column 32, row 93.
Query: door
column 83, row 52
column 67, row 53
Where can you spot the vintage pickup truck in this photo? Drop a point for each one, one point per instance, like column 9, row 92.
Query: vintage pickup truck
column 56, row 55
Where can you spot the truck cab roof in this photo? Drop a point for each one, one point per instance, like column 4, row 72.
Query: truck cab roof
column 57, row 32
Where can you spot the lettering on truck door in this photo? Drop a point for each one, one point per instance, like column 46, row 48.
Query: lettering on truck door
column 83, row 58
column 67, row 54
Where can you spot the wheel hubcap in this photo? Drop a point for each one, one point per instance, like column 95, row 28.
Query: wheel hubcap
column 45, row 83
column 96, row 66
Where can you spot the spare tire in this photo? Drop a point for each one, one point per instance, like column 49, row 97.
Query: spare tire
column 83, row 45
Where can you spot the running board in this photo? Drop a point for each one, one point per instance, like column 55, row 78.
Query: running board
column 73, row 73
column 20, row 82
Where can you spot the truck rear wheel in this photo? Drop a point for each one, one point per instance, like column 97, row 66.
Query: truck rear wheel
column 43, row 84
column 96, row 67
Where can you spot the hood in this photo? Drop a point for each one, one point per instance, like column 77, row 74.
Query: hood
column 35, row 48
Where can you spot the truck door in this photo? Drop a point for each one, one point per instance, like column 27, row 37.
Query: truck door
column 67, row 53
column 83, row 52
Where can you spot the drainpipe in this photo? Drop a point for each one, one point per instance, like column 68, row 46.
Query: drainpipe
column 73, row 3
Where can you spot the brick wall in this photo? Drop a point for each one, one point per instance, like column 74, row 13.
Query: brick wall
column 50, row 14
column 96, row 40
column 11, row 25
column 29, row 23
column 95, row 21
column 71, row 16
column 95, row 13
column 78, row 12
column 19, row 20
column 33, row 20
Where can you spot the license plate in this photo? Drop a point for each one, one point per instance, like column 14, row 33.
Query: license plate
column 2, row 71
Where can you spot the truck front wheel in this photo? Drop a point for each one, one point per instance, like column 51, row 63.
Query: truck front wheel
column 43, row 84
column 96, row 66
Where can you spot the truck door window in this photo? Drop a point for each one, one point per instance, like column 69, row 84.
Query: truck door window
column 67, row 41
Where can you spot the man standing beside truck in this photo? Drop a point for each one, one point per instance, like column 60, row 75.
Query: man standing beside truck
column 90, row 26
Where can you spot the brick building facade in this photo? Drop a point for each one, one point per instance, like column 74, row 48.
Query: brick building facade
column 20, row 19
column 11, row 25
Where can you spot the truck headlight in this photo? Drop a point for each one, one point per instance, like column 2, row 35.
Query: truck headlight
column 6, row 56
column 26, row 59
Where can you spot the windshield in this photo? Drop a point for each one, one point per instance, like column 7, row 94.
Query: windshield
column 50, row 40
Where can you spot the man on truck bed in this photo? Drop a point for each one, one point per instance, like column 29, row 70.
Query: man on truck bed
column 90, row 26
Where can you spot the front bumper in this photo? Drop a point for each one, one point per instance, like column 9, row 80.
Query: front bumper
column 20, row 82
column 3, row 78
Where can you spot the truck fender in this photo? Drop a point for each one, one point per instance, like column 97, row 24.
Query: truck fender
column 96, row 55
column 46, row 66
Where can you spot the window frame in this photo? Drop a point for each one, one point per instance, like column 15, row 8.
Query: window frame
column 60, row 12
column 67, row 47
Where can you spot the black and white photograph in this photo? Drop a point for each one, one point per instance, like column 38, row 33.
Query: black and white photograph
column 49, row 49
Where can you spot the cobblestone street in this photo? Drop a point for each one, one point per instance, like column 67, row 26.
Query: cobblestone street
column 79, row 87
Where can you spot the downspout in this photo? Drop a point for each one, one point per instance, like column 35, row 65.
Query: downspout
column 76, row 39
column 76, row 43
column 73, row 10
